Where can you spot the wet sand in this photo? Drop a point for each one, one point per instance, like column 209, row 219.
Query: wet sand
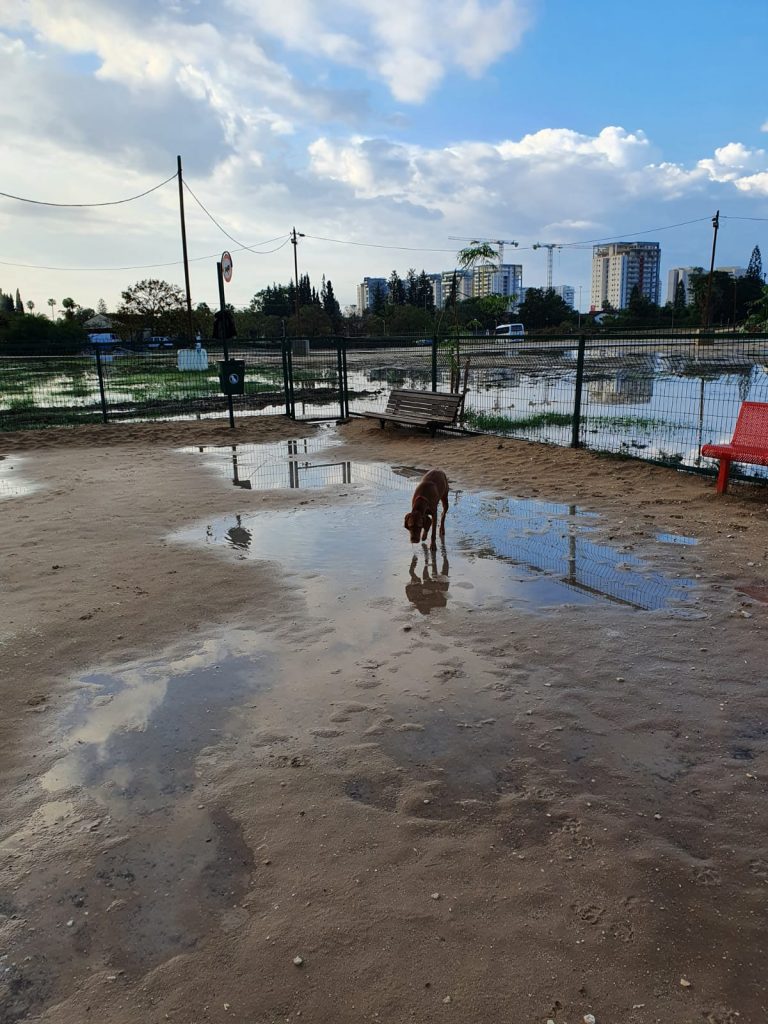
column 469, row 810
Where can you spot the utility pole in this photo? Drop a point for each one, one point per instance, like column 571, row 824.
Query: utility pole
column 295, row 236
column 715, row 226
column 190, row 325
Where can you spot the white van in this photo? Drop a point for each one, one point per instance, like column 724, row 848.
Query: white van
column 510, row 331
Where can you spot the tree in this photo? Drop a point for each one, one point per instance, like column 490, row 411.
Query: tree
column 543, row 307
column 313, row 322
column 329, row 303
column 6, row 303
column 411, row 288
column 52, row 303
column 26, row 335
column 30, row 305
column 758, row 317
column 425, row 293
column 19, row 303
column 69, row 305
column 396, row 289
column 680, row 302
column 378, row 306
column 755, row 267
column 481, row 253
column 721, row 296
column 275, row 300
column 101, row 307
column 152, row 297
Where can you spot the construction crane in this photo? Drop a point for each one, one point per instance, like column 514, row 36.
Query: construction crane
column 550, row 247
column 498, row 242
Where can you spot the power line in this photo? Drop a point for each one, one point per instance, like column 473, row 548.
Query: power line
column 376, row 245
column 225, row 232
column 630, row 234
column 145, row 266
column 725, row 217
column 114, row 202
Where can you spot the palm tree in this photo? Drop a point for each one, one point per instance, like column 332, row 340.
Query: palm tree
column 52, row 303
column 30, row 305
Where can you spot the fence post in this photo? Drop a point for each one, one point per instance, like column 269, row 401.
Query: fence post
column 102, row 393
column 291, row 398
column 286, row 386
column 434, row 363
column 576, row 427
column 340, row 374
column 346, row 379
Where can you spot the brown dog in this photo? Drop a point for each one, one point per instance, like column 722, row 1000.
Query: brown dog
column 431, row 489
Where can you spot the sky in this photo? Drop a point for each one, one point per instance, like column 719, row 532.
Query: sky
column 403, row 129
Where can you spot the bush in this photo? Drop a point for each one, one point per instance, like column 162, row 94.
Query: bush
column 22, row 335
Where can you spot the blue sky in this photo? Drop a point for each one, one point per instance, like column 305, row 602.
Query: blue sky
column 538, row 120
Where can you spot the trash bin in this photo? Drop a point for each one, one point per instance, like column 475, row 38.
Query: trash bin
column 232, row 376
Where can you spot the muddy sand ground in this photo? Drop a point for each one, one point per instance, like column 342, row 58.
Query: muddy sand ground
column 223, row 751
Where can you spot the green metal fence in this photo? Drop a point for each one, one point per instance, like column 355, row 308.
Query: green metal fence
column 653, row 396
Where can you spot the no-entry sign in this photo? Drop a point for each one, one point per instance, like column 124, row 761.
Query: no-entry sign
column 226, row 266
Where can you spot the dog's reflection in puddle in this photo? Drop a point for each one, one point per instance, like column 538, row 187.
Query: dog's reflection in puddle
column 428, row 590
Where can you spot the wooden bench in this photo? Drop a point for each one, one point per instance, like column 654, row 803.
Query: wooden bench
column 430, row 409
column 749, row 443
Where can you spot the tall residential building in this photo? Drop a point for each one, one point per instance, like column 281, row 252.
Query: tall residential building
column 674, row 277
column 733, row 272
column 463, row 285
column 367, row 290
column 436, row 280
column 567, row 293
column 506, row 279
column 620, row 266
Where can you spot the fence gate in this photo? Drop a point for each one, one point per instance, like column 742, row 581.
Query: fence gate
column 315, row 378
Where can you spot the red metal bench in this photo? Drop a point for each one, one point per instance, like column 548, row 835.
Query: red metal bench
column 749, row 442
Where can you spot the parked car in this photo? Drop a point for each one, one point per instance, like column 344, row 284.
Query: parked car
column 510, row 331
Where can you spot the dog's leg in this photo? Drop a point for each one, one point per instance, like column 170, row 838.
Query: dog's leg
column 433, row 545
column 444, row 500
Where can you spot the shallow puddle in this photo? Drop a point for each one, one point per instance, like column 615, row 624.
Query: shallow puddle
column 12, row 483
column 676, row 538
column 498, row 550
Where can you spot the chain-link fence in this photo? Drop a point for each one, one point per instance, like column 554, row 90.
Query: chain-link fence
column 42, row 391
column 657, row 397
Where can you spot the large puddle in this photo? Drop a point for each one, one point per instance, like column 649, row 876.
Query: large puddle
column 147, row 860
column 499, row 551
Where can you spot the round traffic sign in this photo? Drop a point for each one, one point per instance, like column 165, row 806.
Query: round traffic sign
column 226, row 266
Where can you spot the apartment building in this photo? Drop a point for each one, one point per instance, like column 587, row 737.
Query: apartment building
column 620, row 266
column 463, row 285
column 506, row 279
column 567, row 293
column 674, row 276
column 367, row 291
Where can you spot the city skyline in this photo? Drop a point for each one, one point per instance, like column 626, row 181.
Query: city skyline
column 380, row 139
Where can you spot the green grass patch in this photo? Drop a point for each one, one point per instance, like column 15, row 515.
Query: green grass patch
column 631, row 423
column 496, row 423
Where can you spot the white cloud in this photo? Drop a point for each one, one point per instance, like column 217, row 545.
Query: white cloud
column 411, row 48
column 106, row 93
